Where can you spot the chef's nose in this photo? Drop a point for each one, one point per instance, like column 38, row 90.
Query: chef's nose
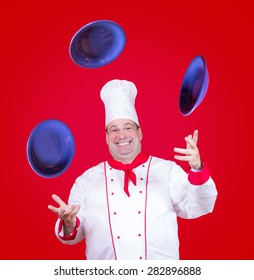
column 121, row 133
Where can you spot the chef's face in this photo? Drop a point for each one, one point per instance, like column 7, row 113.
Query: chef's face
column 124, row 140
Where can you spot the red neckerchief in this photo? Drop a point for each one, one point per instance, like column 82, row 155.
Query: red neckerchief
column 141, row 158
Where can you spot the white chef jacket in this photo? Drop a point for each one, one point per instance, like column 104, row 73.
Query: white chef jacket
column 144, row 225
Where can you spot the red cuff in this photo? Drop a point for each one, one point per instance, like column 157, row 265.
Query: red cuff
column 199, row 178
column 73, row 234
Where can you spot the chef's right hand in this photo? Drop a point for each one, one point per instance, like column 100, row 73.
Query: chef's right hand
column 65, row 212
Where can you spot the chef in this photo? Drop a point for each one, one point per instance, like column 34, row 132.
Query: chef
column 126, row 208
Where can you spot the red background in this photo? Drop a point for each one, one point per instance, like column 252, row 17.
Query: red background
column 40, row 81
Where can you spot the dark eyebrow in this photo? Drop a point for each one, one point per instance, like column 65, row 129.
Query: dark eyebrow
column 109, row 128
column 115, row 126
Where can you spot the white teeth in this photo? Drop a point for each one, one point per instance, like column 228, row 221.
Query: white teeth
column 123, row 144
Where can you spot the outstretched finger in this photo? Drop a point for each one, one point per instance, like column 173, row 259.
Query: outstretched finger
column 183, row 151
column 187, row 139
column 190, row 143
column 53, row 209
column 183, row 158
column 195, row 137
column 58, row 200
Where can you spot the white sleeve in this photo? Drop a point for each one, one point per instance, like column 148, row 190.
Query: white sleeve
column 190, row 201
column 76, row 197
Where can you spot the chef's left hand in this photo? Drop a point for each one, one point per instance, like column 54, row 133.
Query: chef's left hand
column 191, row 153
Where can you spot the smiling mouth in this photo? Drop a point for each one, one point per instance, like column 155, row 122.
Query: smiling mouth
column 124, row 143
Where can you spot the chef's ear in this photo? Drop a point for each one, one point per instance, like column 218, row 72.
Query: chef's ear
column 140, row 133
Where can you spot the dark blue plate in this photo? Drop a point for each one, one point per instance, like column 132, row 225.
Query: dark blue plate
column 194, row 86
column 50, row 148
column 97, row 44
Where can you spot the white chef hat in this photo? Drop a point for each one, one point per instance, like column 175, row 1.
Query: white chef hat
column 119, row 100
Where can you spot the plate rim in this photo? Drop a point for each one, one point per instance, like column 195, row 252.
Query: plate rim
column 31, row 139
column 204, row 86
column 78, row 33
